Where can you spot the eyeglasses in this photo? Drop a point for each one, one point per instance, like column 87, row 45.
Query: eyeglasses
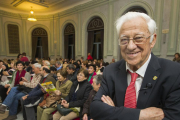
column 139, row 39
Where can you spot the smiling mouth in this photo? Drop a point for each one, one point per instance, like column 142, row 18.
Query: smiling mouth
column 132, row 54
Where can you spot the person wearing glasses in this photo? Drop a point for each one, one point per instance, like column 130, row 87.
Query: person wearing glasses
column 141, row 86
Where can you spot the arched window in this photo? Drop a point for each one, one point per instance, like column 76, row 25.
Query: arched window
column 13, row 38
column 69, row 41
column 95, row 38
column 39, row 43
column 136, row 9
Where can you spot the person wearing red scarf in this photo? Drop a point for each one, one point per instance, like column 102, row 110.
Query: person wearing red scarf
column 14, row 94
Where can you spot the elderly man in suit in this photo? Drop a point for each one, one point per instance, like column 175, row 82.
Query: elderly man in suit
column 141, row 86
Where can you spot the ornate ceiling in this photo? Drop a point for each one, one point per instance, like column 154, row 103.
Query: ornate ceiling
column 41, row 7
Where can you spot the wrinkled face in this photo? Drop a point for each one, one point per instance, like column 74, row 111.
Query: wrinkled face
column 60, row 77
column 81, row 77
column 35, row 70
column 3, row 67
column 136, row 54
column 95, row 86
column 70, row 71
column 20, row 67
column 90, row 69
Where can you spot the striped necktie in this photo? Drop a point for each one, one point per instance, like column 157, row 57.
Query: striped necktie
column 130, row 97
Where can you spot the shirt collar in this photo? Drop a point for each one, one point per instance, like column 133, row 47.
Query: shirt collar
column 46, row 75
column 141, row 71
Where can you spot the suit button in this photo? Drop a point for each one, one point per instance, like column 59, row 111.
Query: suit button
column 145, row 93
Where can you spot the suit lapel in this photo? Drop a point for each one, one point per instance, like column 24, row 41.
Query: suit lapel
column 121, row 84
column 150, row 73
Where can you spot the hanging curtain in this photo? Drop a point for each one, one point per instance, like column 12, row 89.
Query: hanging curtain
column 90, row 42
column 45, row 47
column 102, row 44
column 66, row 43
column 74, row 46
column 34, row 46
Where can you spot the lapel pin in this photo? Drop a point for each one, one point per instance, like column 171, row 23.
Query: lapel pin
column 155, row 77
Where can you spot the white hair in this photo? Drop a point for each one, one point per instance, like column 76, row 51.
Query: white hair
column 130, row 16
column 47, row 63
column 37, row 65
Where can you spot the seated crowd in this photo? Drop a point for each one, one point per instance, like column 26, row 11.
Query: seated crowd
column 75, row 84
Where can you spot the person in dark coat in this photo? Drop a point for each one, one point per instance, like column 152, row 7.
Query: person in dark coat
column 72, row 73
column 97, row 79
column 76, row 98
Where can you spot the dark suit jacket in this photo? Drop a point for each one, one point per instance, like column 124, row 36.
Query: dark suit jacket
column 165, row 91
column 81, row 96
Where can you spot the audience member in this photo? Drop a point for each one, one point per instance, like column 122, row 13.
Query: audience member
column 84, row 65
column 3, row 81
column 176, row 57
column 89, row 57
column 24, row 58
column 72, row 73
column 98, row 71
column 19, row 57
column 58, row 65
column 78, row 94
column 97, row 79
column 34, row 97
column 63, row 86
column 46, row 63
column 92, row 72
column 14, row 93
column 53, row 71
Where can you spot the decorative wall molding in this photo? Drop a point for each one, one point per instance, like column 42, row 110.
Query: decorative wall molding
column 173, row 29
column 79, row 40
column 29, row 43
column 24, row 36
column 2, row 39
column 158, row 16
column 110, row 40
column 58, row 36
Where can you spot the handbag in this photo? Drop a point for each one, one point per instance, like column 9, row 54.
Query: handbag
column 24, row 88
column 63, row 111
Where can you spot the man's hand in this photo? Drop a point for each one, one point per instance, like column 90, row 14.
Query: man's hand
column 21, row 82
column 107, row 100
column 85, row 117
column 9, row 89
column 63, row 102
column 57, row 92
column 24, row 97
column 7, row 85
column 151, row 113
column 66, row 105
column 24, row 79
